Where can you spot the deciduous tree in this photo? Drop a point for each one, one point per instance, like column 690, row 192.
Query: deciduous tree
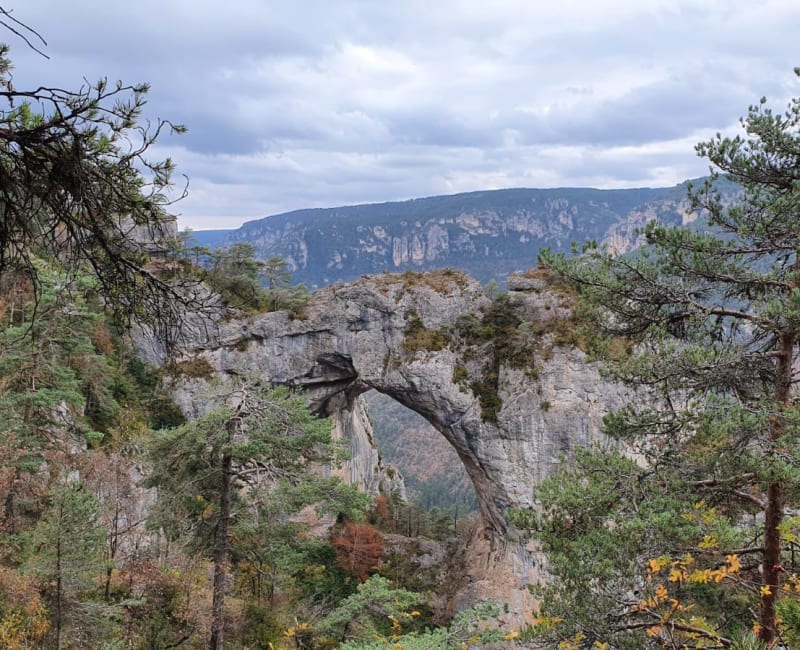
column 23, row 616
column 359, row 548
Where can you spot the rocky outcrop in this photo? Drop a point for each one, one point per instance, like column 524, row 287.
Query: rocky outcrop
column 488, row 234
column 395, row 334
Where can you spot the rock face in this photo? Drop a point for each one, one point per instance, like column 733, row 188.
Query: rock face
column 488, row 234
column 358, row 337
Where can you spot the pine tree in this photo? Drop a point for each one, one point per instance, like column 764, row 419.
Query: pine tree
column 79, row 189
column 711, row 314
column 214, row 470
column 65, row 554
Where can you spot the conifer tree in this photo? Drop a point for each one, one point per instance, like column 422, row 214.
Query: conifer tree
column 711, row 313
column 79, row 189
column 214, row 470
column 65, row 554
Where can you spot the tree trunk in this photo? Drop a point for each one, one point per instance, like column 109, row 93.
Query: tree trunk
column 8, row 513
column 773, row 513
column 770, row 580
column 221, row 558
column 59, row 581
column 113, row 541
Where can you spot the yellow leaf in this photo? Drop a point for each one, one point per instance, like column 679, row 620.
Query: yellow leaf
column 701, row 576
column 765, row 590
column 720, row 574
column 676, row 575
column 549, row 623
column 655, row 565
column 709, row 541
column 572, row 644
column 733, row 563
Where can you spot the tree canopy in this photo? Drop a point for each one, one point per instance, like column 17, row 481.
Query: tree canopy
column 711, row 315
column 248, row 463
column 78, row 188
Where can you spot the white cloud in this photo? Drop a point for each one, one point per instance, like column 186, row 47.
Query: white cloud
column 294, row 104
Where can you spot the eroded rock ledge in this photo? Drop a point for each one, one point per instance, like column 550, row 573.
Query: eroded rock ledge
column 408, row 336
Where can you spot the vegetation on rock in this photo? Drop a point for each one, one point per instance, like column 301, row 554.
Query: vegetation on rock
column 87, row 248
column 419, row 338
column 243, row 282
column 123, row 525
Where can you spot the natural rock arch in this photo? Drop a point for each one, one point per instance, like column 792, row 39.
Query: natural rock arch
column 356, row 337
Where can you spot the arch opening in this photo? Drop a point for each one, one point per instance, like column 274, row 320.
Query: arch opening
column 434, row 476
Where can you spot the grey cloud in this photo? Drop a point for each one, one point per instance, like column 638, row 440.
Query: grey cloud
column 438, row 127
column 317, row 103
column 668, row 109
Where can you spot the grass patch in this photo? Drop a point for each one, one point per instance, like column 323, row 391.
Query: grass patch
column 419, row 338
column 442, row 281
column 197, row 368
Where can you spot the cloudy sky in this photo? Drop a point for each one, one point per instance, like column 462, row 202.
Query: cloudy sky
column 307, row 103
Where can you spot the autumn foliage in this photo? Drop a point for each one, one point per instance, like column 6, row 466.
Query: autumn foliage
column 23, row 617
column 359, row 548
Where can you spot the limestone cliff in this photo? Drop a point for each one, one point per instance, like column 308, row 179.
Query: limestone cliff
column 488, row 234
column 397, row 334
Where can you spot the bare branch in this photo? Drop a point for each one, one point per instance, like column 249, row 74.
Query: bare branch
column 18, row 27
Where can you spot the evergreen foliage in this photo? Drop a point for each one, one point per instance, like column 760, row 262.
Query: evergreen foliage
column 80, row 190
column 235, row 473
column 714, row 320
column 86, row 247
column 242, row 281
column 676, row 544
column 370, row 612
column 471, row 628
column 66, row 543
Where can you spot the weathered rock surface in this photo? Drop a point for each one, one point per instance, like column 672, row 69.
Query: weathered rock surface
column 354, row 339
column 489, row 234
